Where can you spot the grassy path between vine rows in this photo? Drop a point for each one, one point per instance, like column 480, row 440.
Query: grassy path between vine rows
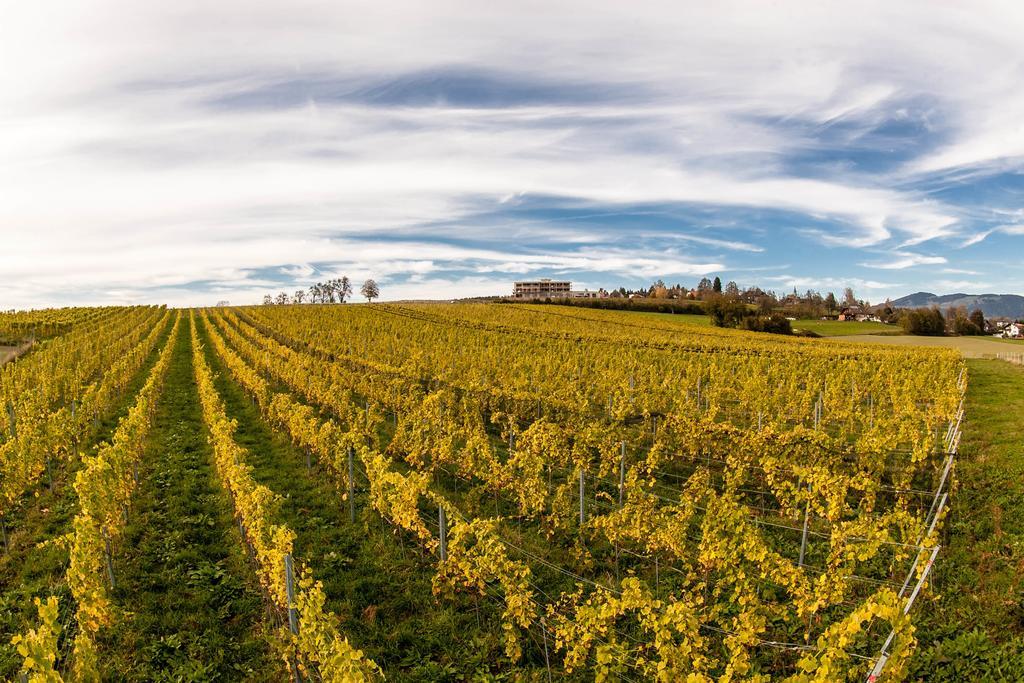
column 378, row 584
column 193, row 610
column 30, row 569
column 975, row 631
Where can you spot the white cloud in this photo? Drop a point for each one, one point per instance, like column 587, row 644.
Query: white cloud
column 985, row 234
column 125, row 168
column 903, row 260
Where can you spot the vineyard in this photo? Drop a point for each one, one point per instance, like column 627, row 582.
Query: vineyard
column 464, row 492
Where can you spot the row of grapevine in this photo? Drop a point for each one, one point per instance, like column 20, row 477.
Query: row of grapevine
column 315, row 643
column 104, row 487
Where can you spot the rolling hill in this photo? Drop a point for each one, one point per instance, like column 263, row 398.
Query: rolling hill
column 992, row 305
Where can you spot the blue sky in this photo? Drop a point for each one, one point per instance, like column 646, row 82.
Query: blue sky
column 183, row 153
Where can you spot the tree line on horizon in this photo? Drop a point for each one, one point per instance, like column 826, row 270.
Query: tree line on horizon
column 811, row 304
column 335, row 291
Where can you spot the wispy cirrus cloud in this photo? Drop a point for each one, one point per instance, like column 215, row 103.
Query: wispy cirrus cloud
column 902, row 260
column 157, row 150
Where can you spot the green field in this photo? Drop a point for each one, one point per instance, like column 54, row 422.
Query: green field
column 1013, row 342
column 973, row 630
column 837, row 328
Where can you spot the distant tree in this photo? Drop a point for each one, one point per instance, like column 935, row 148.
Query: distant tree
column 344, row 288
column 965, row 326
column 766, row 303
column 281, row 299
column 717, row 286
column 659, row 291
column 923, row 321
column 978, row 318
column 370, row 290
column 267, row 300
column 703, row 287
column 849, row 299
column 725, row 312
column 830, row 302
column 732, row 289
column 299, row 296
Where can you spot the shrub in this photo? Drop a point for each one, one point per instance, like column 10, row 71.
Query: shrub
column 776, row 324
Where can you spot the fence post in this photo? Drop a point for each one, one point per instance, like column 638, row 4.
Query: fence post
column 622, row 471
column 803, row 540
column 442, row 524
column 293, row 618
column 11, row 421
column 582, row 518
column 544, row 633
column 351, row 489
column 110, row 563
column 74, row 434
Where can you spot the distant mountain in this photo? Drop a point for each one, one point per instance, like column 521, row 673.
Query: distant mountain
column 992, row 305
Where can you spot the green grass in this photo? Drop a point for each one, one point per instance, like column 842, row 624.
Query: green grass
column 975, row 630
column 837, row 328
column 192, row 605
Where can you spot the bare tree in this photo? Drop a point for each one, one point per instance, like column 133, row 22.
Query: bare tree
column 267, row 300
column 849, row 299
column 281, row 299
column 370, row 290
column 345, row 288
column 299, row 296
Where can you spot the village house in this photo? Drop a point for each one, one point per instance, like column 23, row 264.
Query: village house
column 588, row 294
column 850, row 313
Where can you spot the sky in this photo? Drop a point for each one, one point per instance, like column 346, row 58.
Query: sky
column 190, row 152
